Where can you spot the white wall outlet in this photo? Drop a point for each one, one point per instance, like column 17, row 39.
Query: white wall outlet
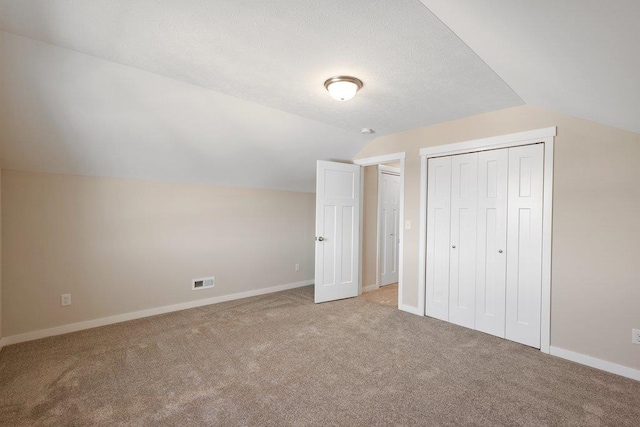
column 635, row 336
column 297, row 267
column 65, row 300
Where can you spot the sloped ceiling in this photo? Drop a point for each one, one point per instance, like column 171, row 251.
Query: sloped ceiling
column 577, row 57
column 224, row 92
column 70, row 113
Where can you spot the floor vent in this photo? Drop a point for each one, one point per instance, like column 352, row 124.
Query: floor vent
column 207, row 282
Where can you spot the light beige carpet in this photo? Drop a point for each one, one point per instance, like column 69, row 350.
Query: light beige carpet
column 386, row 295
column 281, row 360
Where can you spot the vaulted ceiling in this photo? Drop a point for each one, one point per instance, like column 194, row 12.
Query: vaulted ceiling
column 230, row 92
column 577, row 57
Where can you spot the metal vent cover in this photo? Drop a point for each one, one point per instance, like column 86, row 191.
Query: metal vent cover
column 207, row 282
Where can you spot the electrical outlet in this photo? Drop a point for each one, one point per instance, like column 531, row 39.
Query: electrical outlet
column 297, row 267
column 65, row 299
column 635, row 336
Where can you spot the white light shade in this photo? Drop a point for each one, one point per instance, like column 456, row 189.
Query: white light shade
column 343, row 88
column 342, row 91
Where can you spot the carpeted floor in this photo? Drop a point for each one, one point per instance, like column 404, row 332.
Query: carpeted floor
column 281, row 360
column 386, row 295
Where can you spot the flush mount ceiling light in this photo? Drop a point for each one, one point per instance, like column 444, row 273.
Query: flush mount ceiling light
column 343, row 88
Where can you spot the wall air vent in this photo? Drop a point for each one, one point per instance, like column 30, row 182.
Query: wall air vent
column 207, row 282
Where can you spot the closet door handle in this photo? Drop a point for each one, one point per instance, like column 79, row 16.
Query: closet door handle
column 499, row 251
column 453, row 246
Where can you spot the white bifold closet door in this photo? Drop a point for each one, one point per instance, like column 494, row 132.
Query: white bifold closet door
column 484, row 241
column 524, row 243
column 438, row 237
column 462, row 264
column 492, row 242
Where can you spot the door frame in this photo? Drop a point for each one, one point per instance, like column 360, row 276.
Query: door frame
column 382, row 169
column 379, row 160
column 545, row 136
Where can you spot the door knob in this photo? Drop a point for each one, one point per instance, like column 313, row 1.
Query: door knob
column 499, row 251
column 453, row 246
column 320, row 239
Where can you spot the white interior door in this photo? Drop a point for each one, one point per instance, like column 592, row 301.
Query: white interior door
column 337, row 231
column 464, row 201
column 438, row 237
column 524, row 244
column 388, row 220
column 492, row 241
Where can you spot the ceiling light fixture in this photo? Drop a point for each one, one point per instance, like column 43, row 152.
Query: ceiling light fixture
column 343, row 88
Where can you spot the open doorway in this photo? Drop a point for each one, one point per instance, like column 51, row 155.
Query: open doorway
column 388, row 224
column 381, row 232
column 381, row 226
column 340, row 229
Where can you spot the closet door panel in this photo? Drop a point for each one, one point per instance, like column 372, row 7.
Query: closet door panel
column 524, row 244
column 492, row 241
column 438, row 237
column 462, row 278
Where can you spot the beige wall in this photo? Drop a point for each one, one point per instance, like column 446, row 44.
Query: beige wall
column 370, row 226
column 596, row 226
column 122, row 245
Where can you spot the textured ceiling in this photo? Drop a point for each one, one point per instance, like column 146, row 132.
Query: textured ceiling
column 577, row 57
column 279, row 52
column 67, row 112
column 230, row 92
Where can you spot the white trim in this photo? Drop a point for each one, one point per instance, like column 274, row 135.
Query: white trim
column 361, row 235
column 593, row 362
column 370, row 288
column 410, row 309
column 74, row 327
column 376, row 160
column 546, row 136
column 490, row 143
column 401, row 232
column 422, row 248
column 547, row 246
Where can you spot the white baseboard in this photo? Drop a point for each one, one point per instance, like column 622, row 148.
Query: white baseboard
column 74, row 327
column 411, row 309
column 370, row 288
column 604, row 365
